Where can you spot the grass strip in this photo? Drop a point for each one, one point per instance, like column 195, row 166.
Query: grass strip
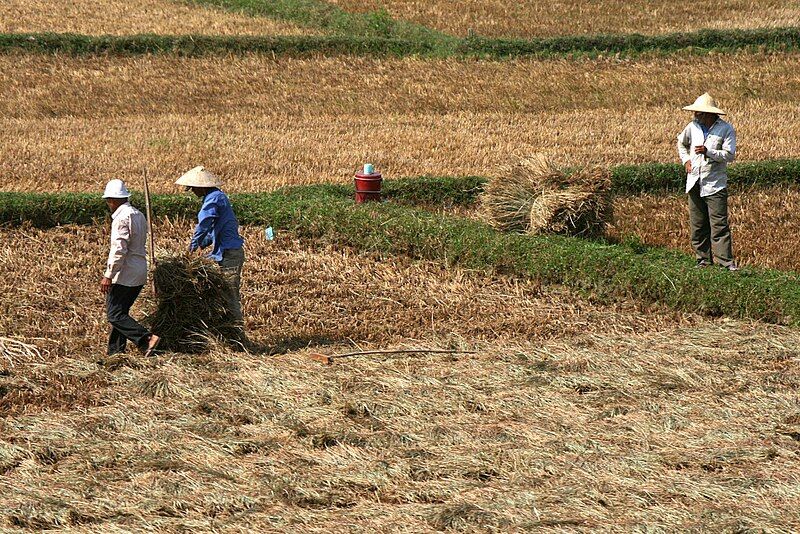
column 604, row 271
column 669, row 178
column 404, row 43
column 442, row 191
column 766, row 39
column 207, row 45
column 333, row 19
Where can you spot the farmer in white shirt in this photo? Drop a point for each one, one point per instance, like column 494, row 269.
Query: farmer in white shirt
column 126, row 272
column 705, row 147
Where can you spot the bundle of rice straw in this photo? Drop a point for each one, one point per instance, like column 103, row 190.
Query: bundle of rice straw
column 192, row 309
column 534, row 196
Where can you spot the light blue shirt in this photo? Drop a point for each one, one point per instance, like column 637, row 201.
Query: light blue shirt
column 216, row 226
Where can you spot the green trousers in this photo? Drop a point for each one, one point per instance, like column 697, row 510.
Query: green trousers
column 711, row 234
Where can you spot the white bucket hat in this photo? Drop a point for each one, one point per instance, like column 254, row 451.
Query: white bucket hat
column 199, row 177
column 116, row 189
column 706, row 104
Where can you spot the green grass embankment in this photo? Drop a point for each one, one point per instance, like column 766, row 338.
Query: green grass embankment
column 766, row 39
column 392, row 40
column 335, row 20
column 608, row 272
column 654, row 178
column 209, row 45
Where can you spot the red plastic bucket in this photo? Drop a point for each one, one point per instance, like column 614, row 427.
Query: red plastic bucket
column 368, row 187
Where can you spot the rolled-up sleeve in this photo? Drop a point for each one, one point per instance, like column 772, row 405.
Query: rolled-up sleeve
column 120, row 234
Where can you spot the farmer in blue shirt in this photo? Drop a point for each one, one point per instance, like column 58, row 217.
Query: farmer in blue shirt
column 217, row 228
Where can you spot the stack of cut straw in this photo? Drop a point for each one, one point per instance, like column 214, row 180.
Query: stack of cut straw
column 192, row 309
column 533, row 196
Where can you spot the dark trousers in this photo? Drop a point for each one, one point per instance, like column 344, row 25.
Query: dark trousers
column 232, row 262
column 123, row 327
column 711, row 234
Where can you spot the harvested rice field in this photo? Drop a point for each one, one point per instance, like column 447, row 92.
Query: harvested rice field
column 763, row 222
column 294, row 292
column 564, row 414
column 532, row 18
column 122, row 17
column 74, row 123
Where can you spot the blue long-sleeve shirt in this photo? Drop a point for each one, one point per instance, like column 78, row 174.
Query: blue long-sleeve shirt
column 216, row 226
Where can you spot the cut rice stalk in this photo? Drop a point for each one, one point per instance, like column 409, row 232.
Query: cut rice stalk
column 192, row 307
column 533, row 196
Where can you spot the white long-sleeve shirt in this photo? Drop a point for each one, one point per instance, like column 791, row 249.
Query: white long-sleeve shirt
column 711, row 168
column 127, row 259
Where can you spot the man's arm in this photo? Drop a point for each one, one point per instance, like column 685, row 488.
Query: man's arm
column 684, row 142
column 203, row 233
column 728, row 151
column 120, row 234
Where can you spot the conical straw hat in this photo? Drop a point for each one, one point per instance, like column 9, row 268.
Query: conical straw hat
column 705, row 103
column 199, row 177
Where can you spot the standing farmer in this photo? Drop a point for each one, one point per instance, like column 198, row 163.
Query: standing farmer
column 217, row 227
column 126, row 272
column 705, row 147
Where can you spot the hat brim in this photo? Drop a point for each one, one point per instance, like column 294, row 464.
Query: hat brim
column 120, row 197
column 705, row 109
column 190, row 181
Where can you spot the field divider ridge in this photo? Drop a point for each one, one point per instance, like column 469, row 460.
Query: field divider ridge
column 404, row 44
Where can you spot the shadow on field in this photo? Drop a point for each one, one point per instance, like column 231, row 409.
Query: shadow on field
column 286, row 345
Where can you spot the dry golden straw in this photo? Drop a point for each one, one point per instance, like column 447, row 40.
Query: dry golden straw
column 533, row 18
column 13, row 350
column 569, row 414
column 71, row 124
column 761, row 220
column 129, row 17
column 534, row 196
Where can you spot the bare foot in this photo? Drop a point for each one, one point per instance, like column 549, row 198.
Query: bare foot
column 152, row 345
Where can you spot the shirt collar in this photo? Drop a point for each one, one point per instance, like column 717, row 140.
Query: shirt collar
column 719, row 120
column 119, row 210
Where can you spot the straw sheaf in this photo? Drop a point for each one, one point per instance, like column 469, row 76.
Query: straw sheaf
column 192, row 308
column 534, row 196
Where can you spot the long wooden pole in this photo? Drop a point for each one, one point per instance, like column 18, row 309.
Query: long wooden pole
column 150, row 235
column 328, row 359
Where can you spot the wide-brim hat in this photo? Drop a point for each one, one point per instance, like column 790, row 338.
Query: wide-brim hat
column 116, row 189
column 705, row 103
column 199, row 177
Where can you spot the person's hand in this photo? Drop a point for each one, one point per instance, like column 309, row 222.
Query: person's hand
column 105, row 285
column 700, row 149
column 688, row 167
